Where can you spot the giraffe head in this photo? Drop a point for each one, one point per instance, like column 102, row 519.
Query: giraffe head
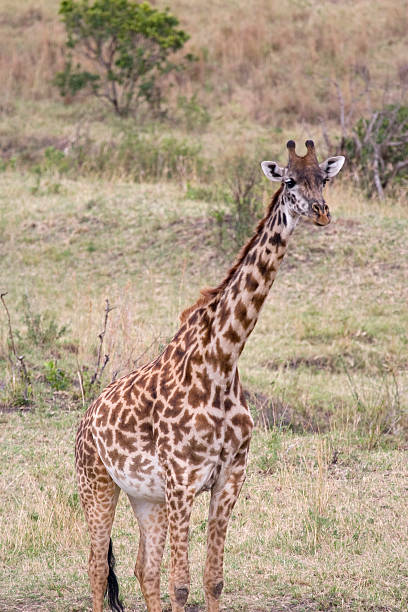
column 303, row 180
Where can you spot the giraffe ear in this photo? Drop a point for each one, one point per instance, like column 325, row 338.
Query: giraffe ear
column 332, row 165
column 272, row 170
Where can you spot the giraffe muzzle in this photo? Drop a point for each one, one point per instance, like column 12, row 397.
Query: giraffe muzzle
column 321, row 214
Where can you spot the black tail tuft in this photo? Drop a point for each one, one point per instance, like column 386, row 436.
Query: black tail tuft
column 113, row 587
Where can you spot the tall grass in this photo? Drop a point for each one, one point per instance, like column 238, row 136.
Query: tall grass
column 272, row 62
column 278, row 61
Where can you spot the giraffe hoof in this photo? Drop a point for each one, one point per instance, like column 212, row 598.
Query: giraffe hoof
column 181, row 595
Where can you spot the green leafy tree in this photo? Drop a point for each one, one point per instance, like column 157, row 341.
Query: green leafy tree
column 128, row 44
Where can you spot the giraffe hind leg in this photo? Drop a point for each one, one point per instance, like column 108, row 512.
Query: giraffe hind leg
column 99, row 496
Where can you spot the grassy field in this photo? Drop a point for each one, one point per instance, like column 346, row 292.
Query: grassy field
column 140, row 212
column 319, row 525
column 330, row 346
column 321, row 519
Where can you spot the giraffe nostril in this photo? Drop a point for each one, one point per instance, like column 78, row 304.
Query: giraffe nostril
column 316, row 209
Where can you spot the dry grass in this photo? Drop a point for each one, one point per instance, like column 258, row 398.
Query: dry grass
column 277, row 60
column 319, row 523
column 30, row 51
column 271, row 62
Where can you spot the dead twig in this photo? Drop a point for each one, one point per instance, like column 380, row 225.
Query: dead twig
column 143, row 353
column 81, row 385
column 11, row 336
column 376, row 173
column 99, row 370
column 25, row 377
column 104, row 365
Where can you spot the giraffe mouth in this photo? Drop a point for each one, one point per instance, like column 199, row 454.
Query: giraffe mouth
column 322, row 220
column 320, row 213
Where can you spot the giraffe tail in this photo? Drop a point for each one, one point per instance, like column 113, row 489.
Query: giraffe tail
column 113, row 587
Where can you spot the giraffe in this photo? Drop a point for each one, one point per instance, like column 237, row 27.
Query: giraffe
column 179, row 425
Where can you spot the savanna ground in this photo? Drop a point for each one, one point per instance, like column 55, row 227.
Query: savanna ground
column 140, row 213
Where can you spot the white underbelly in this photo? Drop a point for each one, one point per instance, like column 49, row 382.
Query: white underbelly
column 146, row 483
column 152, row 488
column 142, row 477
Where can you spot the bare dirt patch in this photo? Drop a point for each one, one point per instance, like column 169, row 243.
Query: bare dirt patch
column 331, row 363
column 272, row 412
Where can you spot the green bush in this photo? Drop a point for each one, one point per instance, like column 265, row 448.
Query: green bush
column 138, row 156
column 70, row 82
column 193, row 114
column 127, row 43
column 378, row 149
column 55, row 376
column 242, row 195
column 42, row 329
column 168, row 158
column 54, row 159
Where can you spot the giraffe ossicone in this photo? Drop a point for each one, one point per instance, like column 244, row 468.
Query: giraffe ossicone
column 180, row 425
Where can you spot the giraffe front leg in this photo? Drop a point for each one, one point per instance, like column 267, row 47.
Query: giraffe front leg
column 223, row 498
column 152, row 520
column 179, row 505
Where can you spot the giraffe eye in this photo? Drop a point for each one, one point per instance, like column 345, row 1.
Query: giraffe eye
column 290, row 183
column 325, row 180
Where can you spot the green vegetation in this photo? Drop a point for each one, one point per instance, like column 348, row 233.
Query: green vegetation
column 138, row 156
column 110, row 225
column 128, row 43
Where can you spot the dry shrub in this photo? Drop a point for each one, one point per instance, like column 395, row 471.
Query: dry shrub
column 128, row 344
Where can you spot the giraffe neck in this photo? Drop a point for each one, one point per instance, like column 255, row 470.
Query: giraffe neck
column 244, row 291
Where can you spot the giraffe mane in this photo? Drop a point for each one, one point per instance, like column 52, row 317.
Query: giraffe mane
column 207, row 294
